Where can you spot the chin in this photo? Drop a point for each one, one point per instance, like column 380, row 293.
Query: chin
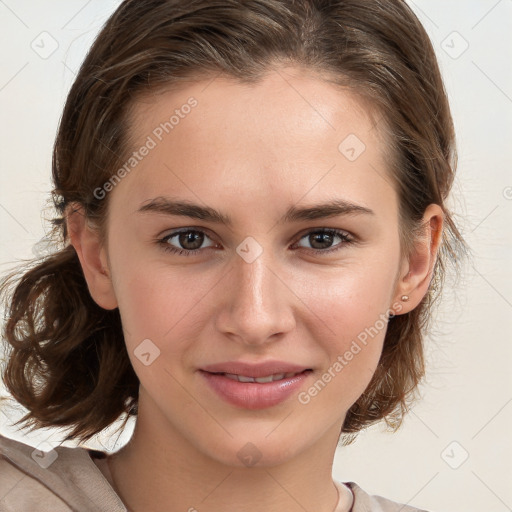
column 253, row 451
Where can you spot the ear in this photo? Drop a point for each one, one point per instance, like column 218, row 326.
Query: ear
column 92, row 255
column 416, row 271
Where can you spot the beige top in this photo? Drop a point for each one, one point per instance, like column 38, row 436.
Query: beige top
column 70, row 480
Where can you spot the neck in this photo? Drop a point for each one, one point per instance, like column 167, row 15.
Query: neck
column 159, row 470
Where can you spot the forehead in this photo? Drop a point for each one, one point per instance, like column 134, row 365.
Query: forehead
column 283, row 134
column 283, row 97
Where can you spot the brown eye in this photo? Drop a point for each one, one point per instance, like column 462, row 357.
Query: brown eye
column 187, row 242
column 190, row 239
column 322, row 241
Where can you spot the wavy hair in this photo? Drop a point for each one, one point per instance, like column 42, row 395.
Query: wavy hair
column 66, row 357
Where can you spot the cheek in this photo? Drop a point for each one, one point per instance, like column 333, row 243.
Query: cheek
column 160, row 303
column 159, row 316
column 348, row 300
column 352, row 354
column 348, row 320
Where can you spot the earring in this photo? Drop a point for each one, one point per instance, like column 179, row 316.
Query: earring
column 405, row 298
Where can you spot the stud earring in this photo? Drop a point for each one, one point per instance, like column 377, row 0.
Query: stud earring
column 405, row 298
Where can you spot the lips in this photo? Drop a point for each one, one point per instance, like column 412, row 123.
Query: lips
column 255, row 386
column 251, row 370
column 260, row 380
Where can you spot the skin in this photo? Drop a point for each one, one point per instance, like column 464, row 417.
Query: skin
column 250, row 152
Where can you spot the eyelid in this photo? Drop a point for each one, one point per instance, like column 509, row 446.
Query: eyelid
column 324, row 229
column 347, row 239
column 298, row 236
column 187, row 229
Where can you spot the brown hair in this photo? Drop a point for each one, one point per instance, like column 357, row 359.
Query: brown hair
column 67, row 362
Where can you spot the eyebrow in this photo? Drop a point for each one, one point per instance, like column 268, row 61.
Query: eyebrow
column 183, row 208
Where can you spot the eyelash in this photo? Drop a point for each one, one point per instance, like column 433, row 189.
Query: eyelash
column 345, row 237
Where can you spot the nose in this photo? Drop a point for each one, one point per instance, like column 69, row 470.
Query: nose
column 256, row 305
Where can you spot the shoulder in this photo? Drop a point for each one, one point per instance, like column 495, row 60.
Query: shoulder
column 364, row 502
column 62, row 479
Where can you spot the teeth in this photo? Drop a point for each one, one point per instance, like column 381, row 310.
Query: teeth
column 243, row 378
column 240, row 378
column 261, row 380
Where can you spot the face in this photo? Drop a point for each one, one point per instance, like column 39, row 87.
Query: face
column 279, row 280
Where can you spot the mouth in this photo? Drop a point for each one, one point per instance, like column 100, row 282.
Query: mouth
column 250, row 386
column 261, row 380
column 268, row 370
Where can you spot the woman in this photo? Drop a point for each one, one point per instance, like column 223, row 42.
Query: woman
column 251, row 201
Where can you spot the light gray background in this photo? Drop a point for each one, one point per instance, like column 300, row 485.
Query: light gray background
column 466, row 408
